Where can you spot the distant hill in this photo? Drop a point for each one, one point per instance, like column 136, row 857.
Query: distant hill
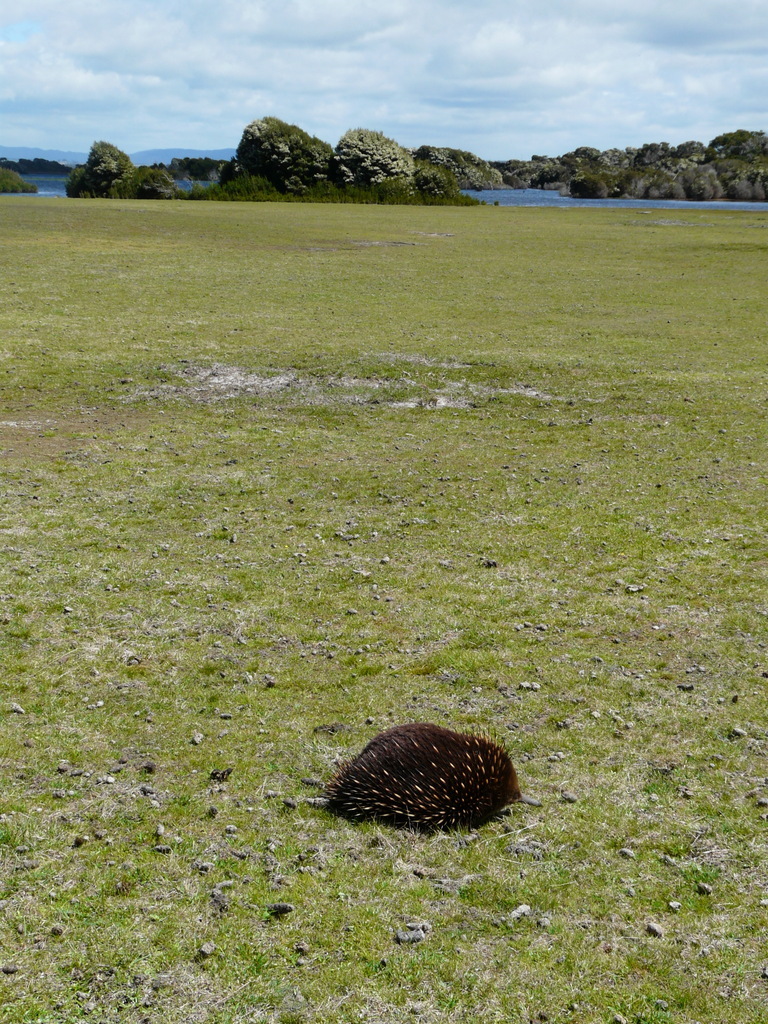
column 147, row 156
column 164, row 156
column 61, row 156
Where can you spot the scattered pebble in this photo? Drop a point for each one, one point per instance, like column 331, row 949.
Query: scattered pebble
column 162, row 848
column 290, row 802
column 654, row 929
column 738, row 734
column 568, row 797
column 207, row 949
column 522, row 911
column 674, row 906
column 626, row 852
column 10, row 968
column 703, row 889
column 197, row 739
column 17, row 709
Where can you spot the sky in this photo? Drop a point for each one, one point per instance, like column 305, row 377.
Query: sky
column 501, row 78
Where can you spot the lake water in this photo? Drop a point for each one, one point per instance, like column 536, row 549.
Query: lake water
column 542, row 197
column 48, row 186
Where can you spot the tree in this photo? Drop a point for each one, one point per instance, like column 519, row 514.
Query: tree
column 107, row 173
column 284, row 154
column 366, row 158
column 741, row 144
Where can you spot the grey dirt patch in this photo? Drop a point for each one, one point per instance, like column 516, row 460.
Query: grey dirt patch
column 220, row 382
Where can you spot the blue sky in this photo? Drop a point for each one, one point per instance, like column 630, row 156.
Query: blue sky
column 503, row 79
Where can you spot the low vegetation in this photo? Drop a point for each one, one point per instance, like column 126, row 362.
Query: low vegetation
column 11, row 181
column 277, row 476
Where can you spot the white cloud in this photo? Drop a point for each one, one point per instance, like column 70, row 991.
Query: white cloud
column 501, row 78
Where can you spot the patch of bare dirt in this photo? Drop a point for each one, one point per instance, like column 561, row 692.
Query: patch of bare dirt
column 221, row 382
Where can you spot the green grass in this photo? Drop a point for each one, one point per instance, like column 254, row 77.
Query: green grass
column 268, row 468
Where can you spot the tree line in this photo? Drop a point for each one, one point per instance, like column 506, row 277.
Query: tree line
column 732, row 166
column 280, row 161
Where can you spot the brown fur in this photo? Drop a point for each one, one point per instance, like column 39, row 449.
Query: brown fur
column 425, row 777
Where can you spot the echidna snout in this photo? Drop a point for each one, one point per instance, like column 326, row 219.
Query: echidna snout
column 425, row 777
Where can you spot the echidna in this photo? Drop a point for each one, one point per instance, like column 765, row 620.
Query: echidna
column 427, row 778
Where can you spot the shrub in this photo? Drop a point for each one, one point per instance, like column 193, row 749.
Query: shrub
column 107, row 173
column 434, row 180
column 283, row 154
column 153, row 183
column 368, row 158
column 10, row 181
column 471, row 171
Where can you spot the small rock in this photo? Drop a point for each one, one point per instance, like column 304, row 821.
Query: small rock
column 278, row 909
column 661, row 1004
column 219, row 901
column 703, row 889
column 10, row 968
column 203, row 866
column 207, row 949
column 764, row 972
column 567, row 797
column 654, row 929
column 162, row 848
column 161, row 981
column 17, row 709
column 619, row 1019
column 197, row 739
column 674, row 906
column 412, row 936
column 57, row 929
column 738, row 734
column 290, row 802
column 522, row 911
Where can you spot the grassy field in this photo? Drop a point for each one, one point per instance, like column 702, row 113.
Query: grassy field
column 277, row 477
